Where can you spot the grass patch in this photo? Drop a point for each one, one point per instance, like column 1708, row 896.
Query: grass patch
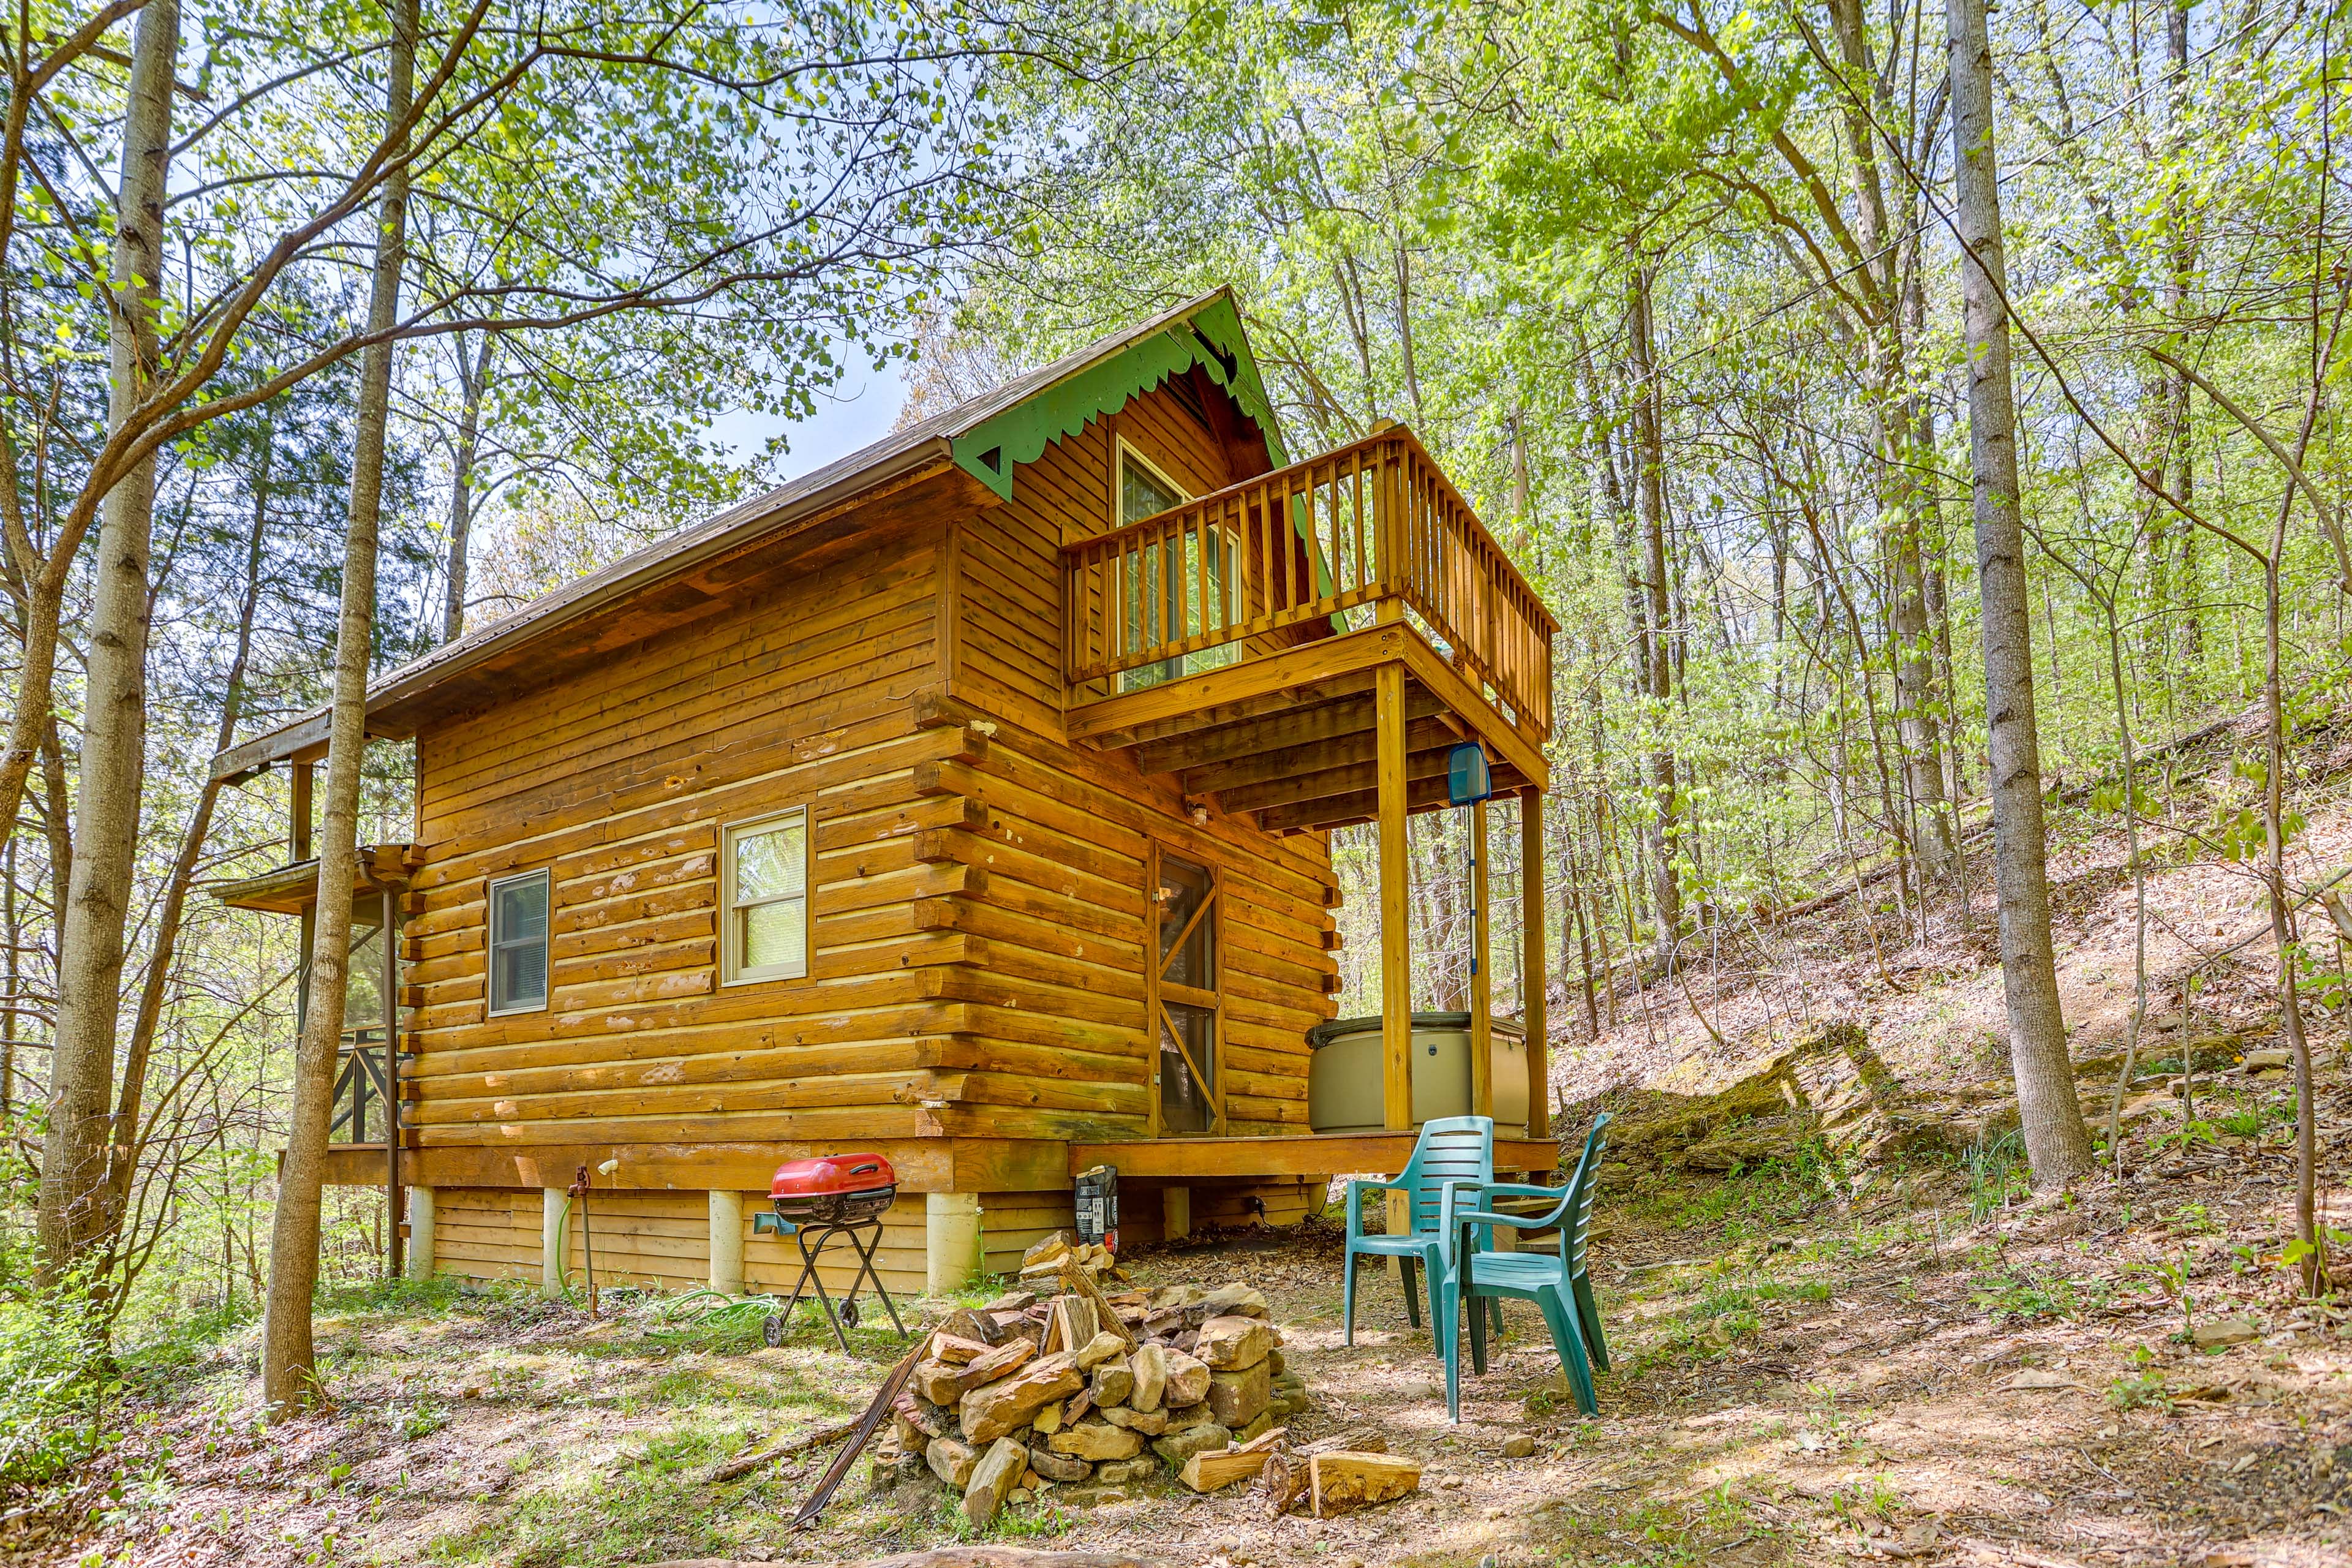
column 646, row 1504
column 2024, row 1295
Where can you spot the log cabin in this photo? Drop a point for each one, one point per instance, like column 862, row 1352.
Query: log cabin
column 968, row 800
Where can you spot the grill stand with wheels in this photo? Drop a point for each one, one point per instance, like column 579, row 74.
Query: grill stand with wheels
column 816, row 1200
column 864, row 1239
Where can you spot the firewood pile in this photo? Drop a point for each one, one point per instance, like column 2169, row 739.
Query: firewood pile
column 1060, row 1383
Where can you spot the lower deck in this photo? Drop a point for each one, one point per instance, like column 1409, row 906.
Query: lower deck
column 923, row 1164
column 678, row 1215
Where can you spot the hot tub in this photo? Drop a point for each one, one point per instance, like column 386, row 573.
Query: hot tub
column 1344, row 1080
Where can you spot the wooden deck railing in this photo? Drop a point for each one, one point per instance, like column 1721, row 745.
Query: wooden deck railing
column 1374, row 521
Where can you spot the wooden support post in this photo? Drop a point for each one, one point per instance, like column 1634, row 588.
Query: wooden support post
column 388, row 933
column 1533, row 976
column 420, row 1233
column 554, row 1209
column 727, row 1242
column 1396, row 869
column 298, row 836
column 1482, row 980
column 1175, row 1213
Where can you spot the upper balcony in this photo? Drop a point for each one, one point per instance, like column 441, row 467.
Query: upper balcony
column 1239, row 640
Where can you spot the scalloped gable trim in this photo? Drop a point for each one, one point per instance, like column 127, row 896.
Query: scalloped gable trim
column 1210, row 337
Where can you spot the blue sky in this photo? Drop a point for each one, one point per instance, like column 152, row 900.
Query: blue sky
column 861, row 411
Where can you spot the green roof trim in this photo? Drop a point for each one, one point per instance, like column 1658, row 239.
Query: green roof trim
column 1210, row 337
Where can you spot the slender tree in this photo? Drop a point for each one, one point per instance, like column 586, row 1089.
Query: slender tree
column 289, row 1359
column 113, row 752
column 2057, row 1141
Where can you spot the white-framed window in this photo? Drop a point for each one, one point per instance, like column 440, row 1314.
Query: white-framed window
column 519, row 943
column 1164, row 582
column 764, row 880
column 1143, row 490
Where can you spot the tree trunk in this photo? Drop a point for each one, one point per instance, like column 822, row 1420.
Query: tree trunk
column 1933, row 682
column 123, row 1153
column 1522, row 524
column 2057, row 1144
column 289, row 1370
column 1650, row 493
column 473, row 379
column 94, row 923
column 2181, row 468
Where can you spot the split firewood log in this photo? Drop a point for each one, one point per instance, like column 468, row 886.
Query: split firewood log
column 1340, row 1479
column 1284, row 1481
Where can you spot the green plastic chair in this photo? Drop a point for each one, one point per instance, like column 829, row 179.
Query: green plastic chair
column 1557, row 1285
column 1452, row 1151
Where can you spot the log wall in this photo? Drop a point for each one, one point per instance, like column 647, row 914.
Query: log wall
column 979, row 891
column 1066, row 830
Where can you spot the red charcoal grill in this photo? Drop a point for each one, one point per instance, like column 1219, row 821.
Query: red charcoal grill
column 816, row 1200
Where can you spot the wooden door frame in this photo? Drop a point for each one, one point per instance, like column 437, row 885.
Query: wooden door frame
column 1155, row 1019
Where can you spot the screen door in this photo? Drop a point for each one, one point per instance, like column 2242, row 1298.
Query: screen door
column 1183, row 989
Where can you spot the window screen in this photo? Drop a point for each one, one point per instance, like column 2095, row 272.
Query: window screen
column 519, row 943
column 767, row 898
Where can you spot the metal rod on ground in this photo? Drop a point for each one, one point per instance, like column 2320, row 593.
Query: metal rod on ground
column 587, row 1236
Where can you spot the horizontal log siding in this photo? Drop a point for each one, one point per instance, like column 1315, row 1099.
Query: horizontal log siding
column 797, row 695
column 656, row 1240
column 1287, row 1203
column 771, row 1263
column 486, row 1233
column 1012, row 1223
column 1065, row 830
column 978, row 888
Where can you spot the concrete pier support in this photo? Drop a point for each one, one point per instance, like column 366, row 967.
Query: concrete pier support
column 952, row 1241
column 727, row 1242
column 419, row 1260
column 554, row 1211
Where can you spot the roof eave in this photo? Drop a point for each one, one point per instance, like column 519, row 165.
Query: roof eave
column 583, row 597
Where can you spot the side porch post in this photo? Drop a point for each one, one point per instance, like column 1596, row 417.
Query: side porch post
column 1396, row 943
column 1482, row 980
column 1534, row 979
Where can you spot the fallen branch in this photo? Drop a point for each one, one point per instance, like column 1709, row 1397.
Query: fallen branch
column 744, row 1464
column 1007, row 1557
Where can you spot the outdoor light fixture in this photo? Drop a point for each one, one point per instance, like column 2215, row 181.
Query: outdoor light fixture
column 1469, row 780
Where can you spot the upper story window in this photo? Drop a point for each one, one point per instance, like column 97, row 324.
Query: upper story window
column 1166, row 582
column 766, row 881
column 1143, row 490
column 519, row 943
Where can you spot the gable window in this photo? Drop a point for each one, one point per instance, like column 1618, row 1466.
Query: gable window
column 766, row 879
column 519, row 943
column 1143, row 490
column 1165, row 582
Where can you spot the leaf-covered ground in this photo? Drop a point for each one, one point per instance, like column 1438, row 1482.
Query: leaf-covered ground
column 1932, row 1368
